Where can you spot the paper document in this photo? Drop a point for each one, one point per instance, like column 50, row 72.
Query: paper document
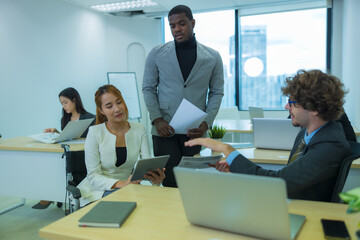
column 199, row 162
column 187, row 116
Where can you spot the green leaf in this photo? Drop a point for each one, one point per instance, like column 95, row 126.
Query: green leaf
column 217, row 131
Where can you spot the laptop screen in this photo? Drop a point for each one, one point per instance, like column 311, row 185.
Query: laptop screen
column 274, row 133
column 240, row 203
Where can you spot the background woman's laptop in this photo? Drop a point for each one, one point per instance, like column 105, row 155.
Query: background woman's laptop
column 72, row 130
column 255, row 112
column 274, row 133
column 245, row 204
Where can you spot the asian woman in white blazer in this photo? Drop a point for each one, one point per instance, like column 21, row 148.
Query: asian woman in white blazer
column 112, row 147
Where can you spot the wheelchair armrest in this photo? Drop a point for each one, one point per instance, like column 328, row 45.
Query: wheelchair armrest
column 74, row 191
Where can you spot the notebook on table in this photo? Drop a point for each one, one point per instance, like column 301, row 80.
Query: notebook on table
column 72, row 130
column 107, row 214
column 245, row 204
column 274, row 133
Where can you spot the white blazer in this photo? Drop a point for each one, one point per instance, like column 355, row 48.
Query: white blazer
column 100, row 158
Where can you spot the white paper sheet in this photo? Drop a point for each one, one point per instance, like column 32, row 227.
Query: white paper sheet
column 187, row 116
column 199, row 162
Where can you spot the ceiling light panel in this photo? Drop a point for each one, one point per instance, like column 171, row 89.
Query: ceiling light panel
column 124, row 6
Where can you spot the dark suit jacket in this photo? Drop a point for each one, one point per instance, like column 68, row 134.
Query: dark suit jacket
column 313, row 175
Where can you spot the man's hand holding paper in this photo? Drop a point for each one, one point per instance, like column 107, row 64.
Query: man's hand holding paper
column 197, row 132
column 189, row 120
column 163, row 128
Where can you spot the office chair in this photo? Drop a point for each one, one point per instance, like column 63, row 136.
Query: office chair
column 344, row 170
column 75, row 173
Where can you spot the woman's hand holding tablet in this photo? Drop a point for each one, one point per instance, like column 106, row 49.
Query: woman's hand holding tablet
column 150, row 169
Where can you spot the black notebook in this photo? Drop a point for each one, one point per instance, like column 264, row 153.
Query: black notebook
column 107, row 214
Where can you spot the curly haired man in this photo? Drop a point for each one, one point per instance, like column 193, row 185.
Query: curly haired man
column 315, row 101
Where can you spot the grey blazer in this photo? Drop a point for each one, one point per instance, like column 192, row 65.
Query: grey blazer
column 313, row 175
column 164, row 87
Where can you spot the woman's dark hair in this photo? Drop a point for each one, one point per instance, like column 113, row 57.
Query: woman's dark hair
column 74, row 96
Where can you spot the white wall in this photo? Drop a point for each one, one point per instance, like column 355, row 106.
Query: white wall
column 48, row 45
column 337, row 33
column 351, row 53
column 131, row 39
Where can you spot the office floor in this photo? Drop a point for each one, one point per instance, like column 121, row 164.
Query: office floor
column 25, row 222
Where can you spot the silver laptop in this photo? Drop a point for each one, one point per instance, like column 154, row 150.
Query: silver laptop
column 72, row 130
column 274, row 133
column 245, row 204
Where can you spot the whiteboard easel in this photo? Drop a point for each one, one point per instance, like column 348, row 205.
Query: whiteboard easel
column 126, row 83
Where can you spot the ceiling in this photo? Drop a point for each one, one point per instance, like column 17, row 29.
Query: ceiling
column 164, row 6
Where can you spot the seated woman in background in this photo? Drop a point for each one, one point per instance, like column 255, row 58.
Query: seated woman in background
column 112, row 147
column 72, row 110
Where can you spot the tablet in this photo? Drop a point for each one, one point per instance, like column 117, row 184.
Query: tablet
column 150, row 164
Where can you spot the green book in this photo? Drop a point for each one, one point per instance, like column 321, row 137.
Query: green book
column 107, row 214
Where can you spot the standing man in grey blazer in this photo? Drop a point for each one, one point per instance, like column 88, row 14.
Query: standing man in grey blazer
column 315, row 101
column 180, row 69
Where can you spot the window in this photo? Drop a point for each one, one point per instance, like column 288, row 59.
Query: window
column 274, row 46
column 271, row 47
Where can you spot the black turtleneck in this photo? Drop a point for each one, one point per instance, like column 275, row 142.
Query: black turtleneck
column 186, row 55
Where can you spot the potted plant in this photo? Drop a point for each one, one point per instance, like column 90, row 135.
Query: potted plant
column 217, row 132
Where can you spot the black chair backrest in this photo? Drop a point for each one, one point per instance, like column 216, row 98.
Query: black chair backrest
column 344, row 170
column 75, row 164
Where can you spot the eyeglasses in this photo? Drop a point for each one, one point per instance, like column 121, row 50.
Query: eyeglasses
column 290, row 102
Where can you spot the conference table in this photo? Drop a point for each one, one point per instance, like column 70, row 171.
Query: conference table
column 160, row 215
column 31, row 169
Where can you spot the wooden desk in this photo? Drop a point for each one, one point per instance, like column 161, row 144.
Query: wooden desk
column 29, row 144
column 30, row 169
column 267, row 156
column 160, row 215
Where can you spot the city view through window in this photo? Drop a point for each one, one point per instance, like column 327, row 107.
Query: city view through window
column 272, row 47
